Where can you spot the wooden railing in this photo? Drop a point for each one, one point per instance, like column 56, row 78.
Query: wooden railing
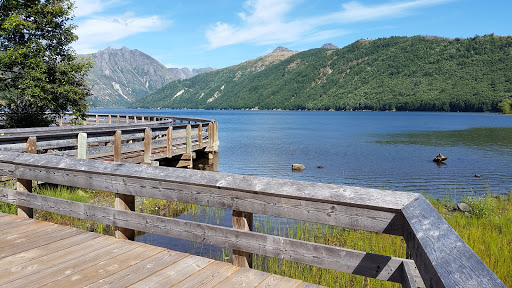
column 440, row 258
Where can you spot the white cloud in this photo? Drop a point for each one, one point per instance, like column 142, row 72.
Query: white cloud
column 97, row 30
column 264, row 21
column 88, row 7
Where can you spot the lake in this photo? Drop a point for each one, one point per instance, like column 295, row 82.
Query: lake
column 389, row 150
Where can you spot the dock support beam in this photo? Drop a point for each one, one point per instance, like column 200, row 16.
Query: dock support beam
column 25, row 185
column 242, row 221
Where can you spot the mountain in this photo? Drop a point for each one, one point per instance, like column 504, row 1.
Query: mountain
column 121, row 76
column 396, row 73
column 330, row 46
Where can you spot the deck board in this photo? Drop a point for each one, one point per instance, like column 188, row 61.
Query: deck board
column 36, row 253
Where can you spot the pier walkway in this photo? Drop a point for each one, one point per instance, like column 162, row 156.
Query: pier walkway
column 40, row 254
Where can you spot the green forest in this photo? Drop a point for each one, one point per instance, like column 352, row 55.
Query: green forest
column 417, row 73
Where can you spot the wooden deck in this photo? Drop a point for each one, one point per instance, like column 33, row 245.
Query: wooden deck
column 41, row 254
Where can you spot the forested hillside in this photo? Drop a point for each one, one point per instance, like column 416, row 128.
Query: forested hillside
column 397, row 73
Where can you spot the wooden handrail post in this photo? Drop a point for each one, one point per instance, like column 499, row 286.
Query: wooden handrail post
column 117, row 146
column 210, row 138
column 25, row 185
column 109, row 119
column 169, row 142
column 147, row 145
column 200, row 136
column 82, row 146
column 134, row 119
column 60, row 120
column 242, row 221
column 118, row 119
column 189, row 140
column 142, row 120
column 97, row 119
column 122, row 201
column 127, row 119
column 216, row 136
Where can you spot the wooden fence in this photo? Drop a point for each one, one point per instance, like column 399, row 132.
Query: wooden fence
column 440, row 258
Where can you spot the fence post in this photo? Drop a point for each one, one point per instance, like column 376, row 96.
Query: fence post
column 169, row 142
column 189, row 140
column 82, row 146
column 97, row 119
column 134, row 119
column 109, row 119
column 147, row 146
column 200, row 136
column 216, row 136
column 186, row 158
column 242, row 221
column 127, row 119
column 122, row 201
column 25, row 185
column 118, row 119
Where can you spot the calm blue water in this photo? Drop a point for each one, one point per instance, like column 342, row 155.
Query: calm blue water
column 391, row 150
column 356, row 148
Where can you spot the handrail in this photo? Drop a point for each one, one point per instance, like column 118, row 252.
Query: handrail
column 440, row 257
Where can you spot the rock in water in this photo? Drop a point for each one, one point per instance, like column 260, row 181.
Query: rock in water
column 464, row 207
column 440, row 158
column 298, row 167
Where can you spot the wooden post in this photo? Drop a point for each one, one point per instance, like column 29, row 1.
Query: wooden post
column 60, row 120
column 243, row 221
column 134, row 119
column 127, row 119
column 82, row 146
column 118, row 119
column 189, row 140
column 210, row 137
column 25, row 185
column 142, row 120
column 169, row 142
column 147, row 146
column 109, row 119
column 122, row 201
column 117, row 146
column 200, row 136
column 97, row 119
column 216, row 136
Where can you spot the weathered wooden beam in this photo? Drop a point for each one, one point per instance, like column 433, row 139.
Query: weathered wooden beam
column 82, row 146
column 118, row 119
column 117, row 146
column 169, row 142
column 242, row 221
column 109, row 119
column 442, row 257
column 148, row 137
column 330, row 257
column 25, row 185
column 200, row 137
column 97, row 119
column 127, row 119
column 189, row 139
column 351, row 207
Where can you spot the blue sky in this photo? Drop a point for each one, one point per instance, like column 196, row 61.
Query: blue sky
column 220, row 33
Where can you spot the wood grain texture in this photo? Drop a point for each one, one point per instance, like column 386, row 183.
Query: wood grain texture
column 335, row 258
column 440, row 253
column 209, row 276
column 244, row 277
column 279, row 281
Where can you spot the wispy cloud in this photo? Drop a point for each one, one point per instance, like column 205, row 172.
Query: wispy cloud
column 88, row 7
column 265, row 21
column 95, row 31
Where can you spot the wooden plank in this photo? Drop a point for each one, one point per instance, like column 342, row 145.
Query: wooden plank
column 335, row 258
column 140, row 270
column 200, row 136
column 10, row 222
column 9, row 274
column 440, row 253
column 105, row 268
column 209, row 276
column 41, row 239
column 235, row 192
column 147, row 145
column 46, row 249
column 244, row 277
column 174, row 273
column 117, row 146
column 309, row 285
column 279, row 281
column 169, row 142
column 60, row 269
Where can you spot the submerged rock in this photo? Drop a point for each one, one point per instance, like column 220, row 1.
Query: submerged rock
column 440, row 158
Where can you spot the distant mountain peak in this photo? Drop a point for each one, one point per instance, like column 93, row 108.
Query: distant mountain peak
column 281, row 49
column 330, row 46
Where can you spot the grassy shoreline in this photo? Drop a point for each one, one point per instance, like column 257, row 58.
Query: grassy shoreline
column 487, row 229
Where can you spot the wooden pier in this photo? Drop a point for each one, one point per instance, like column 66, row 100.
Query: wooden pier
column 35, row 253
column 439, row 257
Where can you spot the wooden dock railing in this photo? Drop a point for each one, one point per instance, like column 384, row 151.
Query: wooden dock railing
column 440, row 258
